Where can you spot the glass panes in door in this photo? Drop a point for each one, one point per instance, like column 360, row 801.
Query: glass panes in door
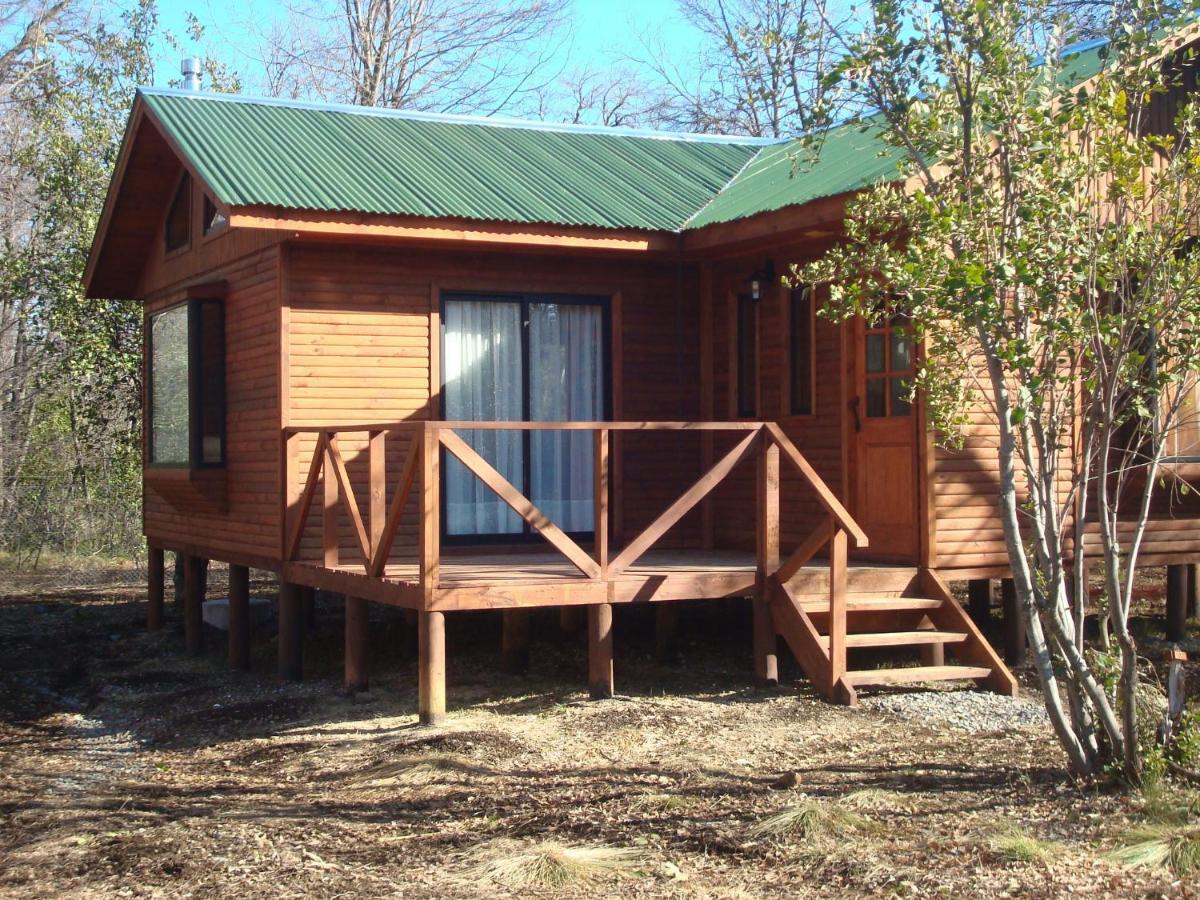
column 482, row 365
column 514, row 359
column 566, row 384
column 887, row 368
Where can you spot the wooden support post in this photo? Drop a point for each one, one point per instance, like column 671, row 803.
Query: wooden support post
column 766, row 660
column 570, row 620
column 931, row 654
column 600, row 498
column 430, row 527
column 837, row 604
column 291, row 632
column 329, row 511
column 239, row 618
column 154, row 588
column 666, row 631
column 514, row 640
column 600, row 651
column 1176, row 602
column 308, row 602
column 193, row 604
column 377, row 482
column 1193, row 591
column 766, row 657
column 431, row 667
column 1014, row 624
column 979, row 594
column 356, row 614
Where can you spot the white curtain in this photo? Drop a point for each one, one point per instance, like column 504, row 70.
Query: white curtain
column 482, row 364
column 566, row 383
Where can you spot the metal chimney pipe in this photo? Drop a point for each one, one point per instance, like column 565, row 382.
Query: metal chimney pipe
column 190, row 69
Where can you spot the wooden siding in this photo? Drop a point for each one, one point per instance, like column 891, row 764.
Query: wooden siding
column 249, row 528
column 818, row 436
column 358, row 347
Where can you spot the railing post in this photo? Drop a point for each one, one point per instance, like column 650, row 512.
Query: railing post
column 837, row 605
column 289, row 494
column 377, row 501
column 766, row 663
column 430, row 508
column 600, row 498
column 329, row 522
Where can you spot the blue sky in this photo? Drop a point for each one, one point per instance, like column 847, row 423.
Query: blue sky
column 602, row 30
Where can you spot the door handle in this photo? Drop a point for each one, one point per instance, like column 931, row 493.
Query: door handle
column 854, row 409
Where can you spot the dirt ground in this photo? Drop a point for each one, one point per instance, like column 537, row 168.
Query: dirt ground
column 128, row 769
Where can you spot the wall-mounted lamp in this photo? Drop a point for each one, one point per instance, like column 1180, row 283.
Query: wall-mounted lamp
column 764, row 273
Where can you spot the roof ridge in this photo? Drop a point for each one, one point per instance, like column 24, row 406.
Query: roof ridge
column 736, row 175
column 461, row 119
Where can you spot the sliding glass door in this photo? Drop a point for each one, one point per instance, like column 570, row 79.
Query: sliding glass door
column 517, row 358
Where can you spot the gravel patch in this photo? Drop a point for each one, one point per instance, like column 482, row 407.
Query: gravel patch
column 975, row 711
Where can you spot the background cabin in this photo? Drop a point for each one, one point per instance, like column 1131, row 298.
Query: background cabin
column 342, row 303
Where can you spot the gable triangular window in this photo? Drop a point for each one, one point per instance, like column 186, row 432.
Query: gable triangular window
column 179, row 218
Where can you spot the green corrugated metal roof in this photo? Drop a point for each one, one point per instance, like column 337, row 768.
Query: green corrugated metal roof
column 354, row 159
column 846, row 158
column 297, row 156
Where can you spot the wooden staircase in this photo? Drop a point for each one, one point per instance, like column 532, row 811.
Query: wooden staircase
column 884, row 608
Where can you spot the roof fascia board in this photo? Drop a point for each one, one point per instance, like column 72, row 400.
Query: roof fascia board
column 777, row 224
column 442, row 231
column 139, row 115
column 110, row 198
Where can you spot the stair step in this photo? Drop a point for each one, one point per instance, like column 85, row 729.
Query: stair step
column 912, row 674
column 866, row 603
column 900, row 638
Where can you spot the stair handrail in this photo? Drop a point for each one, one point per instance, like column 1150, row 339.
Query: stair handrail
column 825, row 496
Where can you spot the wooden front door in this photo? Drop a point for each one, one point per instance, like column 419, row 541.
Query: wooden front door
column 884, row 440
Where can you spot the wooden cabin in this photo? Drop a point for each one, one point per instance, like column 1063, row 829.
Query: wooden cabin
column 453, row 364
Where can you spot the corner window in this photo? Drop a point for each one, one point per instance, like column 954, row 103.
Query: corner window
column 213, row 219
column 801, row 327
column 178, row 230
column 186, row 383
column 747, row 356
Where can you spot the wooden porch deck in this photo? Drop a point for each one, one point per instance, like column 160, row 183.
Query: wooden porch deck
column 483, row 578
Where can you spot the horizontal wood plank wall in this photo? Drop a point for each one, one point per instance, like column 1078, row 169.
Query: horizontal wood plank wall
column 250, row 527
column 818, row 436
column 359, row 351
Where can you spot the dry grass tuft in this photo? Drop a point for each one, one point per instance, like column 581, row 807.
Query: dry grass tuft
column 1161, row 846
column 424, row 768
column 812, row 820
column 551, row 865
column 1014, row 844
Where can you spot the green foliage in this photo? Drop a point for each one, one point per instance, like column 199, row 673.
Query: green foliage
column 1184, row 749
column 1040, row 245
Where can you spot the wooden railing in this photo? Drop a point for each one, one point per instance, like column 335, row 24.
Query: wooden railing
column 375, row 530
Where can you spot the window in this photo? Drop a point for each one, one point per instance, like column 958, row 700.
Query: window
column 888, row 368
column 178, row 231
column 213, row 219
column 524, row 357
column 186, row 381
column 801, row 322
column 747, row 356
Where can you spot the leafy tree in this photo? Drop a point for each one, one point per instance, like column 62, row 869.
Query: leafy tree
column 1040, row 247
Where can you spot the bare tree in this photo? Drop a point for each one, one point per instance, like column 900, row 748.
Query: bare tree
column 761, row 69
column 439, row 55
column 615, row 97
column 28, row 30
